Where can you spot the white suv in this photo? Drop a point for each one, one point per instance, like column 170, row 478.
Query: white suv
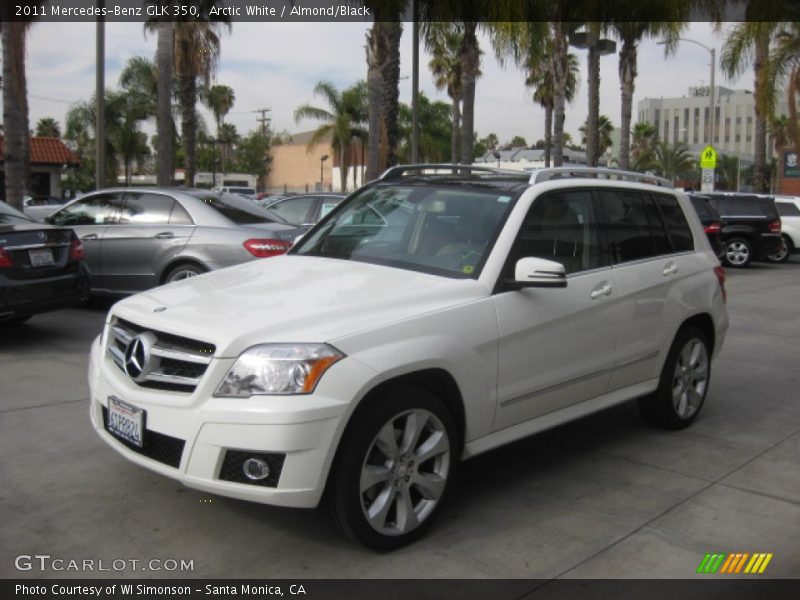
column 789, row 210
column 436, row 314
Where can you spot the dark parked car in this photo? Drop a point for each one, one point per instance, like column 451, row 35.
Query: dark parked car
column 306, row 209
column 42, row 267
column 138, row 238
column 751, row 226
column 712, row 222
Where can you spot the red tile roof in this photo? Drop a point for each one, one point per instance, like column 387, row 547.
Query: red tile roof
column 47, row 151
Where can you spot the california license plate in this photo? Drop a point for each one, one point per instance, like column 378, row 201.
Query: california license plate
column 41, row 258
column 125, row 421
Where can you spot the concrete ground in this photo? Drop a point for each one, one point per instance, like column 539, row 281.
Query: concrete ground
column 605, row 497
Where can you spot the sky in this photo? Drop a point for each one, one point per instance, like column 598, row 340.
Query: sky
column 277, row 65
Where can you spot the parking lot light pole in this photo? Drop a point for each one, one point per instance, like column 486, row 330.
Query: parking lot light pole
column 322, row 159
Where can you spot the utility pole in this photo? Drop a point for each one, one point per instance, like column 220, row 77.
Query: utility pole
column 264, row 120
column 100, row 95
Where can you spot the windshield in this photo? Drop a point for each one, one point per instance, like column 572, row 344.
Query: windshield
column 238, row 209
column 447, row 231
column 12, row 215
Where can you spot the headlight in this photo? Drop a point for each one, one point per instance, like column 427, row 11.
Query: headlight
column 278, row 369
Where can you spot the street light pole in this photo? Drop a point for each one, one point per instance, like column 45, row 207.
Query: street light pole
column 322, row 159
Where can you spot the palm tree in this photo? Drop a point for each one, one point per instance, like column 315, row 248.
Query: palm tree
column 673, row 162
column 784, row 69
column 443, row 41
column 342, row 120
column 727, row 172
column 630, row 32
column 603, row 133
column 48, row 127
column 139, row 78
column 644, row 137
column 220, row 99
column 748, row 43
column 165, row 126
column 435, row 126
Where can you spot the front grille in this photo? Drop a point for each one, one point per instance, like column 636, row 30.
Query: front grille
column 156, row 446
column 231, row 469
column 175, row 363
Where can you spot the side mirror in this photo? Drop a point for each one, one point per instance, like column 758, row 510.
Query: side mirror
column 538, row 273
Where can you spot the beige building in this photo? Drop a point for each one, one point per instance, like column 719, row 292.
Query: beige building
column 298, row 167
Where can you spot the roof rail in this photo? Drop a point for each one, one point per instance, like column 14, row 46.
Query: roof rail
column 401, row 170
column 547, row 174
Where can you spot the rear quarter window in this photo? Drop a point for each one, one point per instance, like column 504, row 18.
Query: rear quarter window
column 787, row 209
column 675, row 222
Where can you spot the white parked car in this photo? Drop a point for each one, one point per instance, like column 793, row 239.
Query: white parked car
column 789, row 210
column 436, row 314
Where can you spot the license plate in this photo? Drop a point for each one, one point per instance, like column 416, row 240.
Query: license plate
column 125, row 421
column 41, row 258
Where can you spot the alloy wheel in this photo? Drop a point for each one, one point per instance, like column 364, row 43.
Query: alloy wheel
column 690, row 378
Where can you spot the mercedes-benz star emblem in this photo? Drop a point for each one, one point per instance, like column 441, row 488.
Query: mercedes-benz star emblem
column 137, row 357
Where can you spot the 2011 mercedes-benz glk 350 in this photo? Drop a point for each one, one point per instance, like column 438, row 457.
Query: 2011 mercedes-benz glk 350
column 437, row 313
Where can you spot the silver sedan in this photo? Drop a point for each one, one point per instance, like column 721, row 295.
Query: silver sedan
column 138, row 238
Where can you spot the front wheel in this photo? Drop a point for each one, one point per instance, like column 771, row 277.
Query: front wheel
column 738, row 252
column 683, row 384
column 393, row 468
column 783, row 254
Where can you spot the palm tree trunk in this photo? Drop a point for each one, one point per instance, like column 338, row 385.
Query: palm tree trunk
column 454, row 134
column 390, row 109
column 627, row 78
column 593, row 60
column 760, row 138
column 164, row 62
column 26, row 130
column 470, row 58
column 374, row 94
column 794, row 131
column 13, row 56
column 188, row 98
column 559, row 74
column 342, row 168
column 548, row 133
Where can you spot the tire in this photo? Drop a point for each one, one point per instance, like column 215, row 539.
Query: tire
column 683, row 384
column 738, row 252
column 183, row 271
column 393, row 468
column 784, row 253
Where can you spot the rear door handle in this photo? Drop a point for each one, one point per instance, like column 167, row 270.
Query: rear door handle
column 89, row 236
column 670, row 269
column 166, row 235
column 604, row 290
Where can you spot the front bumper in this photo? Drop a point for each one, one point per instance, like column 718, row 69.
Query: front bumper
column 199, row 430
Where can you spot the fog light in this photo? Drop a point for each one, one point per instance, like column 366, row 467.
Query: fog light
column 255, row 469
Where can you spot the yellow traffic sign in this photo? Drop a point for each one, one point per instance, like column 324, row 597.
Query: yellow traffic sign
column 708, row 158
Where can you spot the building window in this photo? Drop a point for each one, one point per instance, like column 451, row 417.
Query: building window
column 675, row 129
column 727, row 129
column 716, row 125
column 696, row 131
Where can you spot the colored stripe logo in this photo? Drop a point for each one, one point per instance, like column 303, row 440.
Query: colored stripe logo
column 734, row 563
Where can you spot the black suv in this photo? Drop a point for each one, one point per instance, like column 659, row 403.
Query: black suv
column 751, row 226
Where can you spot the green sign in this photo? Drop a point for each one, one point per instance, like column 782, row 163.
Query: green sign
column 708, row 158
column 790, row 167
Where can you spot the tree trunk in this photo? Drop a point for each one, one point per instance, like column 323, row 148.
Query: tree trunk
column 470, row 58
column 342, row 168
column 13, row 57
column 188, row 96
column 794, row 131
column 164, row 62
column 559, row 73
column 25, row 126
column 760, row 152
column 593, row 60
column 627, row 78
column 455, row 147
column 374, row 95
column 390, row 100
column 548, row 133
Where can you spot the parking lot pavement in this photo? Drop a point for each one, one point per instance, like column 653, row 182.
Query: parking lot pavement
column 603, row 497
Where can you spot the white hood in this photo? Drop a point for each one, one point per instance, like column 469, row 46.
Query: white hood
column 292, row 299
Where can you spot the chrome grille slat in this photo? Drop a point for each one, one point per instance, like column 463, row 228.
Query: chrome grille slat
column 175, row 363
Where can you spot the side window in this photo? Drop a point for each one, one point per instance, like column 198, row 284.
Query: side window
column 180, row 216
column 294, row 210
column 787, row 209
column 146, row 209
column 560, row 226
column 675, row 222
column 633, row 226
column 101, row 209
column 327, row 206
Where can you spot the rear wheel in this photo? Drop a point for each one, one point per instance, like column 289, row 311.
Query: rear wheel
column 393, row 468
column 738, row 252
column 783, row 254
column 184, row 271
column 683, row 384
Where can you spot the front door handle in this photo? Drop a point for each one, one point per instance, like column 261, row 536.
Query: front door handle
column 89, row 236
column 604, row 290
column 670, row 269
column 166, row 235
